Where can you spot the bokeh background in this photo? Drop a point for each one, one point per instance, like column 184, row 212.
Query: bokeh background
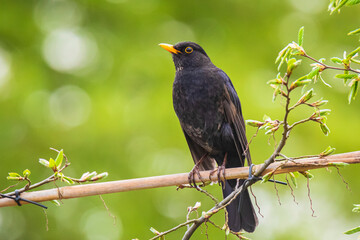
column 89, row 77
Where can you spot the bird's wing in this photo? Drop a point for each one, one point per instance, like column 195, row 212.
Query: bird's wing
column 233, row 114
column 197, row 152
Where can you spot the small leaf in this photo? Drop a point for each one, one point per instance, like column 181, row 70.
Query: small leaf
column 338, row 164
column 325, row 129
column 352, row 2
column 293, row 179
column 313, row 72
column 292, row 64
column 307, row 174
column 319, row 103
column 336, row 60
column 340, row 4
column 306, row 96
column 26, row 173
column 301, row 36
column 55, row 202
column 299, row 83
column 356, row 208
column 352, row 231
column 59, row 159
column 52, row 164
column 353, row 90
column 329, row 150
column 254, row 123
column 15, row 178
column 350, row 55
column 356, row 31
column 44, row 162
column 346, row 76
column 324, row 112
column 67, row 180
column 284, row 58
column 14, row 174
column 266, row 177
column 154, row 231
column 99, row 176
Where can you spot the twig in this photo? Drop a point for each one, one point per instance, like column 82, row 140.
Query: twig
column 291, row 189
column 331, row 67
column 173, row 229
column 92, row 189
column 309, row 196
column 342, row 178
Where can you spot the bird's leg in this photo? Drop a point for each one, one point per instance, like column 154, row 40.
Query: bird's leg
column 220, row 169
column 196, row 170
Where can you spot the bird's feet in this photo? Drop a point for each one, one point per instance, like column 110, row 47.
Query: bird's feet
column 220, row 170
column 196, row 170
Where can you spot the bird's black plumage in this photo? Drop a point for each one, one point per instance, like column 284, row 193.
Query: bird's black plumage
column 209, row 112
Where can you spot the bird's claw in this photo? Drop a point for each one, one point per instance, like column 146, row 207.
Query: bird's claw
column 191, row 176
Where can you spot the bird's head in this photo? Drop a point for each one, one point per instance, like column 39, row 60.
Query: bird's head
column 187, row 55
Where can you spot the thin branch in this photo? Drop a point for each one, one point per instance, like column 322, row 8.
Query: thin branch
column 177, row 179
column 331, row 67
column 173, row 229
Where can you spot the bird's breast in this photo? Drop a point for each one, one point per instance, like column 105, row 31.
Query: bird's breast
column 197, row 99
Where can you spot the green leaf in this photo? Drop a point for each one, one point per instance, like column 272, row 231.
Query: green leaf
column 340, row 4
column 319, row 103
column 325, row 129
column 324, row 112
column 346, row 76
column 99, row 176
column 306, row 97
column 353, row 91
column 293, row 179
column 299, row 83
column 313, row 73
column 356, row 208
column 352, row 231
column 352, row 2
column 26, row 173
column 307, row 174
column 254, row 123
column 338, row 164
column 284, row 58
column 350, row 55
column 59, row 159
column 336, row 60
column 55, row 202
column 154, row 231
column 301, row 36
column 356, row 31
column 266, row 177
column 52, row 164
column 14, row 174
column 329, row 150
column 44, row 162
column 67, row 180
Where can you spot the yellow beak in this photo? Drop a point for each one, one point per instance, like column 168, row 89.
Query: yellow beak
column 169, row 47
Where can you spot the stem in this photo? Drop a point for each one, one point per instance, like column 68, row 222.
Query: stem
column 331, row 67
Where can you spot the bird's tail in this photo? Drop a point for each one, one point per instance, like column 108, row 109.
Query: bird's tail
column 241, row 213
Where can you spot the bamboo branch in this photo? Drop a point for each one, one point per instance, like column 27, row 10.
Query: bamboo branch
column 177, row 179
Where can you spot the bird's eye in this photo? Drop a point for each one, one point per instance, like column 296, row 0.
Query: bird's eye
column 188, row 50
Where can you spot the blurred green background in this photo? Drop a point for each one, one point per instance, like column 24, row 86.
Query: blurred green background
column 89, row 77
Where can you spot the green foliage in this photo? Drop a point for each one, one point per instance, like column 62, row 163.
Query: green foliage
column 328, row 151
column 356, row 209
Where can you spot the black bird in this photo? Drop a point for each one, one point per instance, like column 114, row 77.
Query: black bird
column 209, row 112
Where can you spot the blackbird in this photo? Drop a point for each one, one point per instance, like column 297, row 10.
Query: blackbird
column 209, row 111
